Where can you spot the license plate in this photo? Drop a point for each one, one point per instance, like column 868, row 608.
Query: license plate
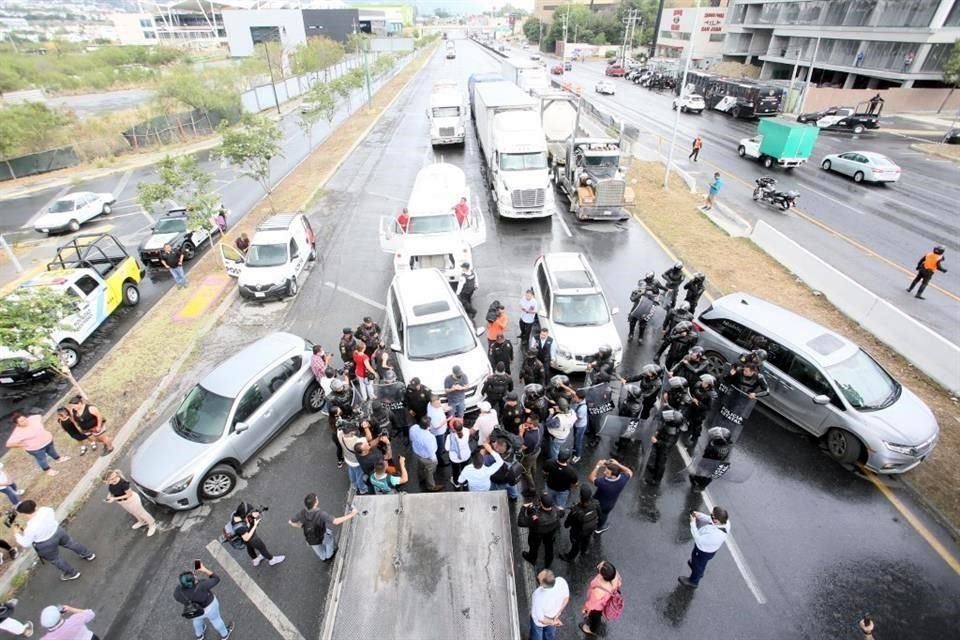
column 6, row 380
column 259, row 294
column 608, row 213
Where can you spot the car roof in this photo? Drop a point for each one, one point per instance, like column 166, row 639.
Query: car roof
column 75, row 195
column 800, row 334
column 425, row 296
column 874, row 156
column 569, row 272
column 251, row 362
column 56, row 279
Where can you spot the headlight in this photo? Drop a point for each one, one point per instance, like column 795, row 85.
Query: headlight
column 179, row 485
column 563, row 353
column 905, row 449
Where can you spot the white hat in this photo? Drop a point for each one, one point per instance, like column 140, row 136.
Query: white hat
column 50, row 616
column 485, row 406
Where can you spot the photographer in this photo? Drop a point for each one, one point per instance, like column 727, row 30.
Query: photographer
column 74, row 625
column 246, row 520
column 199, row 602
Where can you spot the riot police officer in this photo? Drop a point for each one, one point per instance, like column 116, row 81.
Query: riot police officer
column 341, row 397
column 651, row 382
column 677, row 343
column 671, row 423
column 693, row 365
column 600, row 368
column 513, row 414
column 531, row 371
column 748, row 379
column 672, row 279
column 719, row 446
column 391, row 393
column 558, row 389
column 640, row 314
column 535, row 401
column 651, row 284
column 756, row 357
column 497, row 386
column 631, row 406
column 676, row 394
column 694, row 288
column 704, row 398
column 676, row 315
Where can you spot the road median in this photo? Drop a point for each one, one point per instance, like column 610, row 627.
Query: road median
column 736, row 264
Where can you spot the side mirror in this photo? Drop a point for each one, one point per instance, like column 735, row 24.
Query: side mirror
column 614, row 311
column 481, row 331
column 395, row 347
column 821, row 399
column 240, row 427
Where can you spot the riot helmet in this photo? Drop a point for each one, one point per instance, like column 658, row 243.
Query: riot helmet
column 337, row 385
column 707, row 381
column 558, row 381
column 696, row 352
column 605, row 351
column 684, row 306
column 938, row 250
column 532, row 392
column 676, row 383
column 633, row 392
column 650, row 371
column 699, row 276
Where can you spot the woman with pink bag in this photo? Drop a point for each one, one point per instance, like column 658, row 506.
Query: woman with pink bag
column 603, row 599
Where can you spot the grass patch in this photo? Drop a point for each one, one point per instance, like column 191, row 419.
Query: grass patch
column 124, row 378
column 673, row 216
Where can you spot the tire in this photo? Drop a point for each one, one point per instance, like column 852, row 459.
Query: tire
column 741, row 151
column 858, row 176
column 736, row 112
column 717, row 365
column 313, row 253
column 217, row 483
column 858, row 129
column 107, row 209
column 292, row 287
column 756, row 193
column 767, row 162
column 313, row 398
column 784, row 205
column 69, row 352
column 131, row 294
column 189, row 251
column 826, row 165
column 843, row 446
column 74, row 226
column 683, row 109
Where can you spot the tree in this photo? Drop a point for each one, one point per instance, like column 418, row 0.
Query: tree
column 315, row 55
column 184, row 182
column 358, row 42
column 320, row 102
column 599, row 39
column 249, row 146
column 31, row 127
column 441, row 13
column 531, row 29
column 28, row 320
column 342, row 87
column 212, row 90
column 951, row 73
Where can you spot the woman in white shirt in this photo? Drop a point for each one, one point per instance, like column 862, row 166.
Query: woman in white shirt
column 458, row 447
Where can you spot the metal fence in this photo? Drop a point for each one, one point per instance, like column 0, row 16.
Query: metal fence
column 168, row 129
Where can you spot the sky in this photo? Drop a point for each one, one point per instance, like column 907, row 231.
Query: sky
column 468, row 6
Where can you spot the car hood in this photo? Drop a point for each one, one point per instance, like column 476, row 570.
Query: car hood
column 157, row 240
column 418, row 244
column 585, row 340
column 524, row 178
column 264, row 275
column 54, row 219
column 907, row 421
column 432, row 373
column 165, row 457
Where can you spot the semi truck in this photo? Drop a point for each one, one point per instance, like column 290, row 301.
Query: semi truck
column 447, row 114
column 780, row 142
column 526, row 74
column 585, row 169
column 514, row 150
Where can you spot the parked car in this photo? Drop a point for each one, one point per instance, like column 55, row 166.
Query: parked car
column 567, row 65
column 862, row 166
column 556, row 70
column 952, row 136
column 575, row 310
column 224, row 420
column 68, row 212
column 535, row 56
column 605, row 87
column 615, row 71
column 842, row 119
column 277, row 260
column 690, row 102
column 172, row 229
column 824, row 383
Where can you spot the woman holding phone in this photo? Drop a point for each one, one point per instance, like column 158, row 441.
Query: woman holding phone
column 119, row 491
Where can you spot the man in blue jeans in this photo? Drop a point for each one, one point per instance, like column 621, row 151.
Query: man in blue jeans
column 196, row 592
column 547, row 604
column 172, row 260
column 455, row 385
column 715, row 187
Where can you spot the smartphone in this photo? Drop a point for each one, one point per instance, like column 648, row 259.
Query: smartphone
column 197, row 564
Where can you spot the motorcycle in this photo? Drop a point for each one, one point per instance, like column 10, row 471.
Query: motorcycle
column 765, row 191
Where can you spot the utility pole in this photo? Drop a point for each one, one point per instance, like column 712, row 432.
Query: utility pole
column 683, row 84
column 366, row 71
column 540, row 37
column 806, row 89
column 566, row 22
column 629, row 29
column 273, row 82
column 656, row 30
column 793, row 76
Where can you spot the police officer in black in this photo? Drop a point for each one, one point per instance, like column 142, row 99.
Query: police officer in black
column 670, row 424
column 544, row 521
column 693, row 289
column 466, row 287
column 631, row 406
column 651, row 284
column 672, row 279
column 693, row 365
column 600, row 367
column 535, row 401
column 748, row 379
column 348, row 344
column 513, row 414
column 417, row 398
column 496, row 387
column 341, row 398
column 501, row 352
column 719, row 447
column 676, row 395
column 546, row 347
column 650, row 379
column 676, row 315
column 704, row 398
column 391, row 393
column 677, row 343
column 641, row 313
column 531, row 371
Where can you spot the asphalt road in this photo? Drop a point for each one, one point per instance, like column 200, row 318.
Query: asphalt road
column 889, row 227
column 817, row 545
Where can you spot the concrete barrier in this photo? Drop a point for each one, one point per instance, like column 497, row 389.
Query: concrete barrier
column 927, row 350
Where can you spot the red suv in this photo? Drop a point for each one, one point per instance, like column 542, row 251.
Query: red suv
column 616, row 71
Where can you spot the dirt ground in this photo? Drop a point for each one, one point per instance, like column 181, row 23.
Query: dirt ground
column 126, row 376
column 951, row 151
column 674, row 217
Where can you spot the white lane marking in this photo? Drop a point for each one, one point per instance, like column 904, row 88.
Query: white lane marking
column 260, row 600
column 126, row 215
column 354, row 294
column 735, row 552
column 563, row 223
column 29, row 223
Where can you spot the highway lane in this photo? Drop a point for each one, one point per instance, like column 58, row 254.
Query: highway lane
column 887, row 228
column 819, row 543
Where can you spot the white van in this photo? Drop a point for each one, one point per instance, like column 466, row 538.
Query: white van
column 432, row 237
column 429, row 333
column 277, row 260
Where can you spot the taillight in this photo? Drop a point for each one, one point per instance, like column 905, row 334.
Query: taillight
column 698, row 326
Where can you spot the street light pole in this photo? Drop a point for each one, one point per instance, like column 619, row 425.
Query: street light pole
column 366, row 71
column 793, row 76
column 806, row 88
column 683, row 84
column 273, row 83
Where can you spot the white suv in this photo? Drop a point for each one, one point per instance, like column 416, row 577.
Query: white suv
column 430, row 333
column 574, row 309
column 277, row 260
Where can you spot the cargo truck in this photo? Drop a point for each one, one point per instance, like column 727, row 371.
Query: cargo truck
column 780, row 142
column 514, row 150
column 526, row 74
column 586, row 170
column 447, row 114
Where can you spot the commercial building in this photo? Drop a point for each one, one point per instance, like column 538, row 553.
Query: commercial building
column 853, row 44
column 543, row 9
column 682, row 26
column 291, row 27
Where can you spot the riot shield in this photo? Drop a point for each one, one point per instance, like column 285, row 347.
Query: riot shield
column 391, row 395
column 734, row 410
column 600, row 402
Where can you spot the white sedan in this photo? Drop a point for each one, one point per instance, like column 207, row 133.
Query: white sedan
column 862, row 166
column 72, row 210
column 606, row 86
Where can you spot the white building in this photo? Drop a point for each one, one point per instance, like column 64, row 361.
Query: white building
column 246, row 29
column 679, row 27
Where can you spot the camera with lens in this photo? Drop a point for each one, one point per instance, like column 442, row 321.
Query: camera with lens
column 9, row 517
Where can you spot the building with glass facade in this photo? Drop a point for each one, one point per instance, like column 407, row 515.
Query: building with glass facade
column 853, row 44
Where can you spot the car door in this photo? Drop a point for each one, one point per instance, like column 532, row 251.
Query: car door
column 806, row 397
column 391, row 235
column 541, row 287
column 92, row 305
column 232, row 259
column 298, row 257
column 844, row 163
column 87, row 208
column 286, row 389
column 257, row 414
column 394, row 330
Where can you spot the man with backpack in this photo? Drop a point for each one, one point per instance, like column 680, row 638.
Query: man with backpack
column 582, row 522
column 199, row 603
column 241, row 532
column 318, row 527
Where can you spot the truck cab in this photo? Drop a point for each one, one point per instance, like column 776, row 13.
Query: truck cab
column 447, row 114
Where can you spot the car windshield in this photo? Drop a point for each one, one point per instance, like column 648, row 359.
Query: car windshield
column 446, row 112
column 202, row 415
column 605, row 166
column 521, row 161
column 864, row 383
column 439, row 339
column 171, row 225
column 580, row 310
column 266, row 255
column 60, row 206
column 443, row 223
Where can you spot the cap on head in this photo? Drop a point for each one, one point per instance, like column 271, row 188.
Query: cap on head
column 511, row 396
column 546, row 500
column 563, row 455
column 347, row 331
column 485, row 407
column 939, row 250
column 50, row 617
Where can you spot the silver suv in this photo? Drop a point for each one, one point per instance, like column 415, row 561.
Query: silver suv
column 824, row 383
column 224, row 420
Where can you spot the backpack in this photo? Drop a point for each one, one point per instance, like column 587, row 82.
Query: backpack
column 589, row 517
column 312, row 531
column 613, row 607
column 231, row 536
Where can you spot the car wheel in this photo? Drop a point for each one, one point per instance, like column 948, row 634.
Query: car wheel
column 843, row 446
column 741, row 151
column 217, row 482
column 736, row 112
column 74, row 225
column 767, row 162
column 826, row 165
column 674, row 107
column 292, row 287
column 313, row 398
column 107, row 210
column 858, row 129
column 189, row 251
column 313, row 253
column 717, row 365
column 858, row 176
column 131, row 294
column 69, row 353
